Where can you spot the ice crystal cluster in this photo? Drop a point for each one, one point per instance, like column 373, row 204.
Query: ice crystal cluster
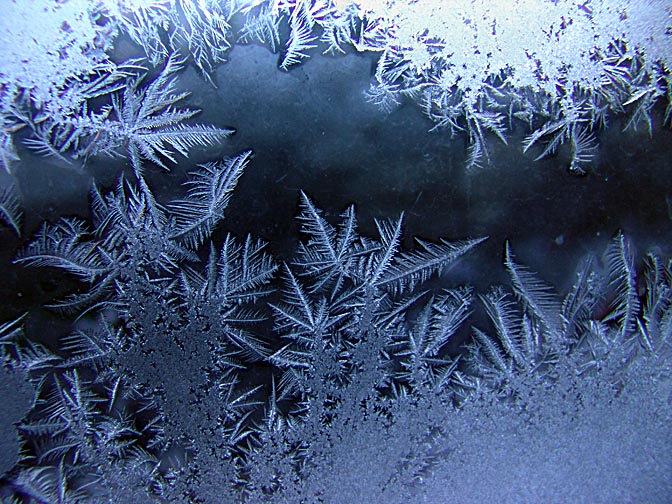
column 199, row 368
column 563, row 67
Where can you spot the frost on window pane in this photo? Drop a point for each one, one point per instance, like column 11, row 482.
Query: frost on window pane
column 199, row 367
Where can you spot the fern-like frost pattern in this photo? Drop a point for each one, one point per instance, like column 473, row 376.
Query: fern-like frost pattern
column 200, row 368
